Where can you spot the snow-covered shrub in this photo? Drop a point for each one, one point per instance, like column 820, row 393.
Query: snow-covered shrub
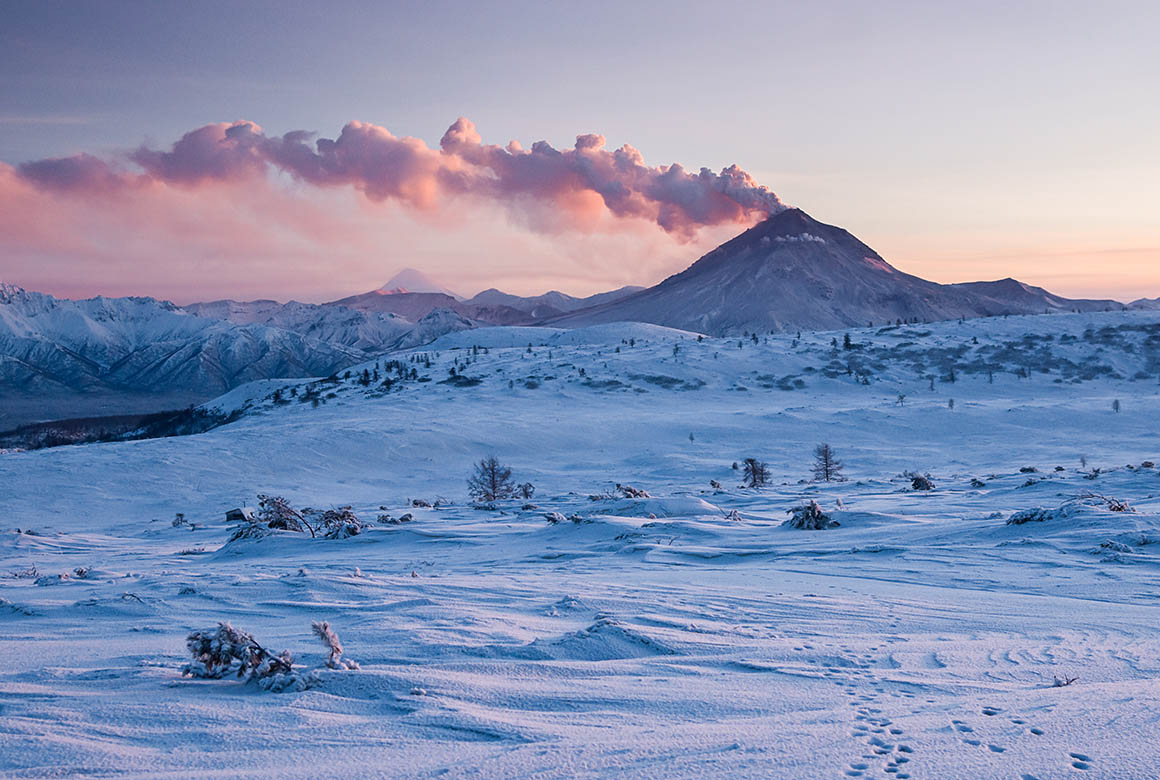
column 225, row 651
column 810, row 517
column 406, row 517
column 921, row 482
column 330, row 640
column 341, row 523
column 179, row 520
column 628, row 491
column 978, row 483
column 275, row 512
column 1039, row 514
column 1034, row 515
column 1114, row 546
column 1108, row 502
column 554, row 518
column 733, row 515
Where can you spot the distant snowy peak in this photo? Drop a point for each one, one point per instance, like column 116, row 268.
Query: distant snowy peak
column 10, row 292
column 1145, row 304
column 411, row 280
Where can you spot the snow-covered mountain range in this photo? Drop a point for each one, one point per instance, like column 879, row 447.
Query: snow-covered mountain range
column 792, row 272
column 50, row 345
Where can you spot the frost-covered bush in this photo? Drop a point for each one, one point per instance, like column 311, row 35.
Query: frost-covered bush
column 921, row 482
column 1039, row 514
column 628, row 491
column 1108, row 502
column 1034, row 515
column 387, row 519
column 225, row 651
column 275, row 512
column 810, row 517
column 330, row 640
column 621, row 491
column 555, row 517
column 341, row 523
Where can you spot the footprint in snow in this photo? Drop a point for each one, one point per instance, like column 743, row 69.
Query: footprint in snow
column 1080, row 761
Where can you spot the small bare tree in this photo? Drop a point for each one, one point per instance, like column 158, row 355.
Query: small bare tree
column 755, row 473
column 827, row 468
column 491, row 481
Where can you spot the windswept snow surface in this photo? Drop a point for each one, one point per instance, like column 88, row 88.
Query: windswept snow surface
column 688, row 634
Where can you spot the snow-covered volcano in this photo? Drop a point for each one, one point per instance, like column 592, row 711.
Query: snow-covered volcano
column 791, row 272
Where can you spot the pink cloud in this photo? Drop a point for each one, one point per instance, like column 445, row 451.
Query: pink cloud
column 544, row 188
column 256, row 238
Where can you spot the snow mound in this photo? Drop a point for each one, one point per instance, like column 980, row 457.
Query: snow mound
column 679, row 506
column 605, row 640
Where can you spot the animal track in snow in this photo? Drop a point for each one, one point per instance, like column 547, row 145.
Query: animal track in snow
column 1080, row 761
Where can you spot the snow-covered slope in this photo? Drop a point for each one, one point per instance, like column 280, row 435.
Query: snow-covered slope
column 687, row 634
column 792, row 272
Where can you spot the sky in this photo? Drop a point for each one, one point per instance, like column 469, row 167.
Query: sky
column 324, row 147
